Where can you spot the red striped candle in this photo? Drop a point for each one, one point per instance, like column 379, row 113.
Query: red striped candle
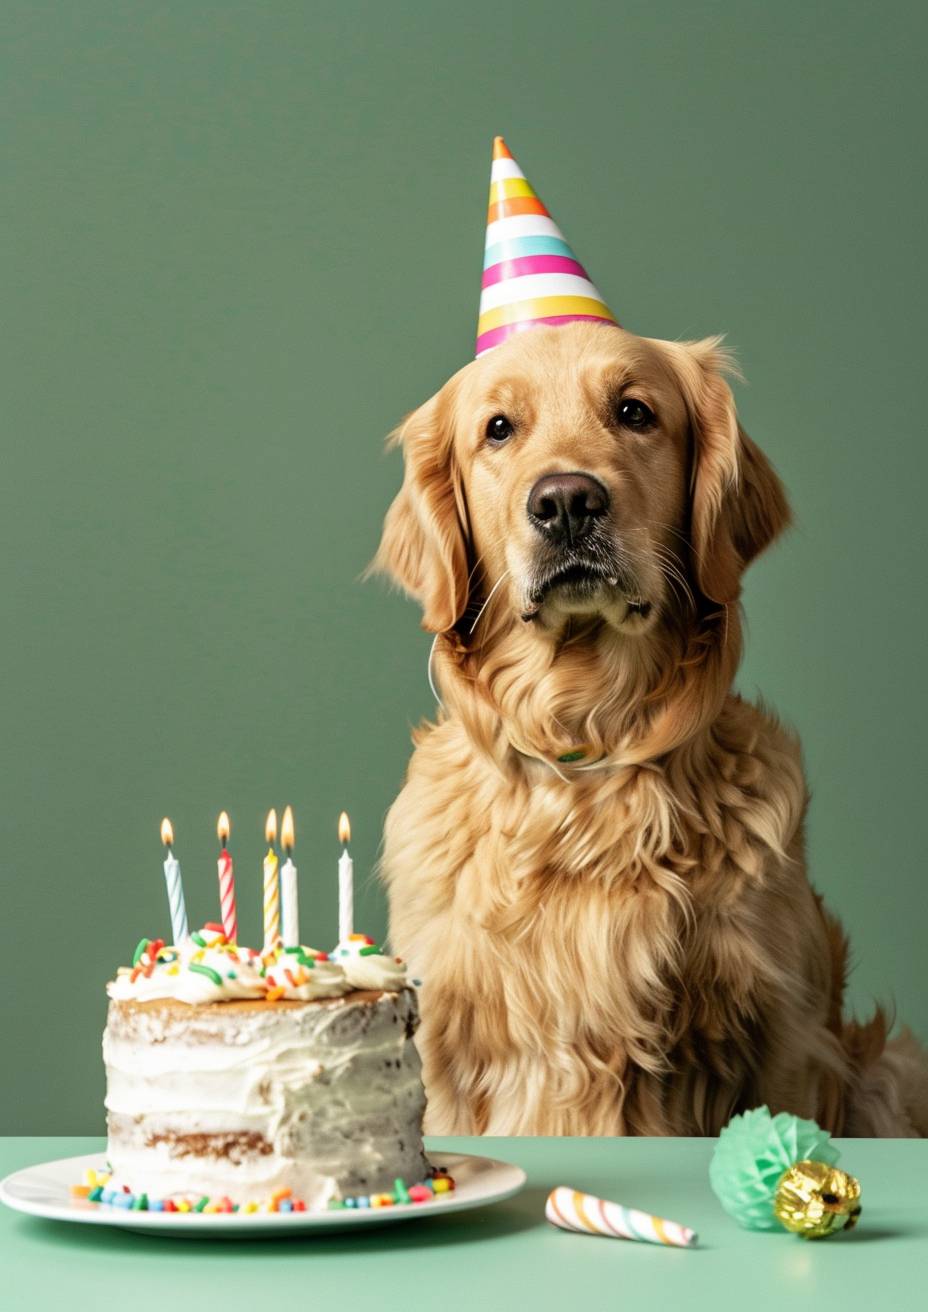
column 226, row 881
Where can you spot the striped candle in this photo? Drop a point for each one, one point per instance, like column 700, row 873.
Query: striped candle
column 226, row 882
column 530, row 274
column 585, row 1214
column 271, row 885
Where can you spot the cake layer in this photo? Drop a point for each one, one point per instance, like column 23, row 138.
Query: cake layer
column 244, row 1097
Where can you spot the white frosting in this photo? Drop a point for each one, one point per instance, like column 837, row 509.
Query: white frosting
column 325, row 1099
column 143, row 988
column 214, row 971
column 237, row 979
column 192, row 973
column 375, row 972
column 365, row 969
column 306, row 982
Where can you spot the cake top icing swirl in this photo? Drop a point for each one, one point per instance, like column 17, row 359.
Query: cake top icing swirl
column 207, row 967
column 366, row 965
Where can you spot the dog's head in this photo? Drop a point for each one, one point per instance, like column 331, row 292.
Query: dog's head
column 580, row 471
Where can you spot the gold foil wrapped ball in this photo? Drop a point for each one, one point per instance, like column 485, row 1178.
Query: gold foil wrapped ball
column 814, row 1200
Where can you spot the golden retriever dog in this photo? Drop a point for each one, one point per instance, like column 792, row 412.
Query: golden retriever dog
column 596, row 863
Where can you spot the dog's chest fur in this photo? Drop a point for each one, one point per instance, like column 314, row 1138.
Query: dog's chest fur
column 590, row 950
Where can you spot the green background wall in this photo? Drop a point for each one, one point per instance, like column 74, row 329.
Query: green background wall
column 241, row 241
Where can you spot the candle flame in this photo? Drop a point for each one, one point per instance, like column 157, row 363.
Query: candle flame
column 344, row 828
column 287, row 829
column 167, row 832
column 270, row 825
column 223, row 827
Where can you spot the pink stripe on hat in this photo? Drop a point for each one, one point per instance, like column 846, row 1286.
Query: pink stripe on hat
column 532, row 264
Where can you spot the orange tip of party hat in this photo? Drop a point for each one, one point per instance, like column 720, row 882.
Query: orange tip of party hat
column 531, row 276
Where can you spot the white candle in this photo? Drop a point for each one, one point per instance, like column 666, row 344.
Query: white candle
column 345, row 882
column 174, row 884
column 288, row 888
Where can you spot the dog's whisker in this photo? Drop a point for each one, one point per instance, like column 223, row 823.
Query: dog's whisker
column 502, row 578
column 482, row 557
column 669, row 528
column 674, row 575
column 669, row 565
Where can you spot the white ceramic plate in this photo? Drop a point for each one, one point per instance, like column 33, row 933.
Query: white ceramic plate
column 44, row 1191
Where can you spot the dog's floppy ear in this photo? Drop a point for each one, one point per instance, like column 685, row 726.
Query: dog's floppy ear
column 424, row 543
column 738, row 504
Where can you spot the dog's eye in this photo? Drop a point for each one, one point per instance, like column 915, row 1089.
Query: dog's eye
column 635, row 414
column 499, row 429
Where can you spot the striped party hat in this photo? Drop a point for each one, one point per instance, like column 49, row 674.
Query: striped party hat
column 530, row 274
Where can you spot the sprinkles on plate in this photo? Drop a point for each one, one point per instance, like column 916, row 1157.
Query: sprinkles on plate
column 97, row 1188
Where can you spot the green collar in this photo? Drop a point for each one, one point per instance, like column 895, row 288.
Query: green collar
column 572, row 757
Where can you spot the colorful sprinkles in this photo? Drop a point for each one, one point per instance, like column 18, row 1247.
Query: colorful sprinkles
column 274, row 966
column 208, row 971
column 97, row 1189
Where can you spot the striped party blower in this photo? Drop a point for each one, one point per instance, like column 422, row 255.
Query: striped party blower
column 584, row 1213
column 530, row 274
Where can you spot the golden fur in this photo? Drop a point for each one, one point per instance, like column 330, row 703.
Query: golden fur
column 628, row 943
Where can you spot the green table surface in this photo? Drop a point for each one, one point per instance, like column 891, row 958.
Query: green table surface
column 503, row 1256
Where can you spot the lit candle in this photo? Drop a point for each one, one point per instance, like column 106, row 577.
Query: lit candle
column 345, row 882
column 226, row 881
column 288, row 890
column 175, row 886
column 271, row 890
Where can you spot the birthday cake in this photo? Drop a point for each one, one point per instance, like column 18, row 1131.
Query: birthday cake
column 279, row 1080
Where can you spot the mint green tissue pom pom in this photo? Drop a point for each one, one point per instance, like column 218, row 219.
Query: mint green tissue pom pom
column 751, row 1155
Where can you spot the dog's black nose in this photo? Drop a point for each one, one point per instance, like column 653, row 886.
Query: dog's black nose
column 564, row 506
